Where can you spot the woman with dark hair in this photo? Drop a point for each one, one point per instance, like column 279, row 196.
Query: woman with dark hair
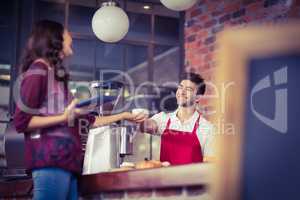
column 48, row 117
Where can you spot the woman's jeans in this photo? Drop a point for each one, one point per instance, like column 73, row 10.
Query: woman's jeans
column 54, row 183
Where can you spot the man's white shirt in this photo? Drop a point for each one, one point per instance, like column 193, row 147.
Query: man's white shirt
column 204, row 132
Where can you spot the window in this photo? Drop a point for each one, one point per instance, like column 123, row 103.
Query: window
column 109, row 56
column 140, row 27
column 83, row 60
column 166, row 59
column 51, row 11
column 166, row 30
column 80, row 19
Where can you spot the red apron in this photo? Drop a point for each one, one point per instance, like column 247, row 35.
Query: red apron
column 180, row 147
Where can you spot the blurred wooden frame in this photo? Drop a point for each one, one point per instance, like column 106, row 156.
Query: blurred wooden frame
column 236, row 47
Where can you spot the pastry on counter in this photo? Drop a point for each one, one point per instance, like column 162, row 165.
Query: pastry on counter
column 146, row 164
column 125, row 166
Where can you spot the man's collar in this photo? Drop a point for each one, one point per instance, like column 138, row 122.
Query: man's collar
column 193, row 118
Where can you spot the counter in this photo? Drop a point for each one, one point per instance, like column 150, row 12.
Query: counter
column 173, row 181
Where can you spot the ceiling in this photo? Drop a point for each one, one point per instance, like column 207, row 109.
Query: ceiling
column 147, row 1
column 135, row 6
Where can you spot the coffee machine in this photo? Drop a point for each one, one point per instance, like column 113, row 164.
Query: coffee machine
column 107, row 146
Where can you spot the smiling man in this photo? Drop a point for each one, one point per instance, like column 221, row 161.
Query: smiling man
column 186, row 136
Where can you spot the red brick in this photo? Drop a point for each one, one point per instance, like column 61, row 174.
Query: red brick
column 211, row 6
column 295, row 11
column 231, row 7
column 212, row 48
column 187, row 15
column 217, row 13
column 191, row 38
column 217, row 29
column 199, row 44
column 191, row 58
column 254, row 7
column 202, row 34
column 196, row 12
column 210, row 23
column 224, row 18
column 195, row 28
column 248, row 2
column 258, row 16
column 192, row 45
column 296, row 3
column 196, row 59
column 189, row 23
column 206, row 66
column 203, row 18
column 269, row 3
column 194, row 66
column 186, row 45
column 201, row 3
column 203, row 50
column 191, row 69
column 208, row 57
column 239, row 13
column 210, row 40
column 201, row 101
column 247, row 18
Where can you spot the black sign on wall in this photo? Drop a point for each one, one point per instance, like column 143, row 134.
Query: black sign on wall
column 271, row 151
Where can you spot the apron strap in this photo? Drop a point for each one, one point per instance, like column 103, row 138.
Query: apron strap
column 197, row 123
column 168, row 124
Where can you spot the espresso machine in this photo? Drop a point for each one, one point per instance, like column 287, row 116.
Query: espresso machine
column 107, row 146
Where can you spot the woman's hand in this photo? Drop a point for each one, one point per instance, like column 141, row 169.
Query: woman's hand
column 105, row 120
column 71, row 112
column 138, row 118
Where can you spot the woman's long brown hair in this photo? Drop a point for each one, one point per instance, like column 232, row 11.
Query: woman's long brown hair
column 46, row 42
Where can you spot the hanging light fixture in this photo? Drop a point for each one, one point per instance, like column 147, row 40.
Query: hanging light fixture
column 178, row 5
column 110, row 23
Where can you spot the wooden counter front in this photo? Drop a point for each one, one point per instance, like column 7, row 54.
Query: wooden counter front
column 176, row 176
column 168, row 177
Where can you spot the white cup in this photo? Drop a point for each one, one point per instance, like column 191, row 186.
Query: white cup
column 140, row 110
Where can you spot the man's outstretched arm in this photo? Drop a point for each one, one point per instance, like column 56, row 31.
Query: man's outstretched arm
column 149, row 126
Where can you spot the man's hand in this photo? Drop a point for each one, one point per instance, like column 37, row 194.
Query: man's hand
column 138, row 118
column 149, row 126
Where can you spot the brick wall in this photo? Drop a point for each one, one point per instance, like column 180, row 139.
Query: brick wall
column 209, row 17
column 182, row 193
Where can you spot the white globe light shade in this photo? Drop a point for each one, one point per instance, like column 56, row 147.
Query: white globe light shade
column 178, row 5
column 110, row 23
